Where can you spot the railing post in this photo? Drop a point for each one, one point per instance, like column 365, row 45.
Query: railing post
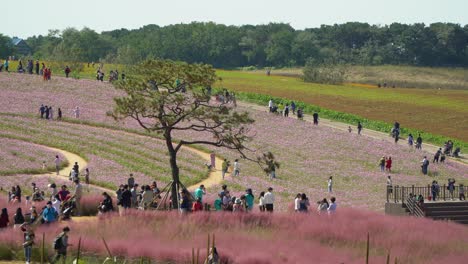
column 429, row 191
column 388, row 193
column 412, row 189
column 403, row 201
column 444, row 191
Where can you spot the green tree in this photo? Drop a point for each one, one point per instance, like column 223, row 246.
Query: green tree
column 6, row 47
column 179, row 104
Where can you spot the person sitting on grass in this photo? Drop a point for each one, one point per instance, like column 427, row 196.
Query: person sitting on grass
column 218, row 203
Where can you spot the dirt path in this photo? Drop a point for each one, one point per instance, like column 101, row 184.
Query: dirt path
column 64, row 172
column 431, row 149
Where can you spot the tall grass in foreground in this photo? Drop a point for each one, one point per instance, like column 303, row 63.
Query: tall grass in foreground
column 351, row 119
column 262, row 238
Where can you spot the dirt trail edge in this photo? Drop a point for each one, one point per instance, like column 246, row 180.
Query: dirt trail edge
column 431, row 149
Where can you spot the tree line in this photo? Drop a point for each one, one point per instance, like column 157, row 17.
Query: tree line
column 271, row 45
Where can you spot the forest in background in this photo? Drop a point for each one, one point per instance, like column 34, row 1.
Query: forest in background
column 271, row 45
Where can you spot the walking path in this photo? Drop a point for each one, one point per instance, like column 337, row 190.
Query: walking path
column 214, row 177
column 432, row 149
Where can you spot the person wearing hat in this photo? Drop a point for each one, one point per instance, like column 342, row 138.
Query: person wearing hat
column 60, row 245
column 249, row 199
column 237, row 206
column 269, row 200
column 49, row 215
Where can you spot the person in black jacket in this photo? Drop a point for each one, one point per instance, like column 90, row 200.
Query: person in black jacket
column 126, row 200
column 106, row 204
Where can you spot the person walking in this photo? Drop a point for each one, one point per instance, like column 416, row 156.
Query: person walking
column 388, row 164
column 330, row 184
column 270, row 105
column 236, row 168
column 435, row 190
column 461, row 192
column 47, row 112
column 87, row 178
column 59, row 114
column 419, row 142
column 425, row 165
column 359, row 128
column 37, row 67
column 293, row 107
column 6, row 64
column 224, row 167
column 78, row 194
column 269, row 200
column 42, row 111
column 286, row 110
column 316, row 118
column 213, row 160
column 410, row 140
column 28, row 238
column 60, row 245
column 437, row 156
column 57, row 162
column 389, row 184
column 51, row 113
column 451, row 187
column 76, row 112
column 382, row 164
column 67, row 71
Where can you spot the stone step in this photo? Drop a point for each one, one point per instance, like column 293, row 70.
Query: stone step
column 445, row 213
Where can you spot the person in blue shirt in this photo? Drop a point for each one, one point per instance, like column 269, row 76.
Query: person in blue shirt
column 49, row 214
column 249, row 199
column 199, row 192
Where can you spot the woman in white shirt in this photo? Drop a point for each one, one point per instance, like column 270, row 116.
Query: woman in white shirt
column 297, row 203
column 261, row 202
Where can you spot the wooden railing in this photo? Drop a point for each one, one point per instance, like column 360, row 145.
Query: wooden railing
column 400, row 194
column 414, row 208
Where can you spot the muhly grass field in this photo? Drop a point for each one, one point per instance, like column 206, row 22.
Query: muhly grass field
column 259, row 238
column 18, row 157
column 308, row 154
column 441, row 112
column 111, row 154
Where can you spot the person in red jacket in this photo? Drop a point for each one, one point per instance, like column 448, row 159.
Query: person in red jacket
column 388, row 164
column 197, row 205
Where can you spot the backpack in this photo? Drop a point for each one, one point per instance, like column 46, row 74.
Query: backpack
column 58, row 242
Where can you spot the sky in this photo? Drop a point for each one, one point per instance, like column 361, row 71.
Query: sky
column 32, row 17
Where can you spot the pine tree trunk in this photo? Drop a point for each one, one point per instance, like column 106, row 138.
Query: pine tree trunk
column 174, row 169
